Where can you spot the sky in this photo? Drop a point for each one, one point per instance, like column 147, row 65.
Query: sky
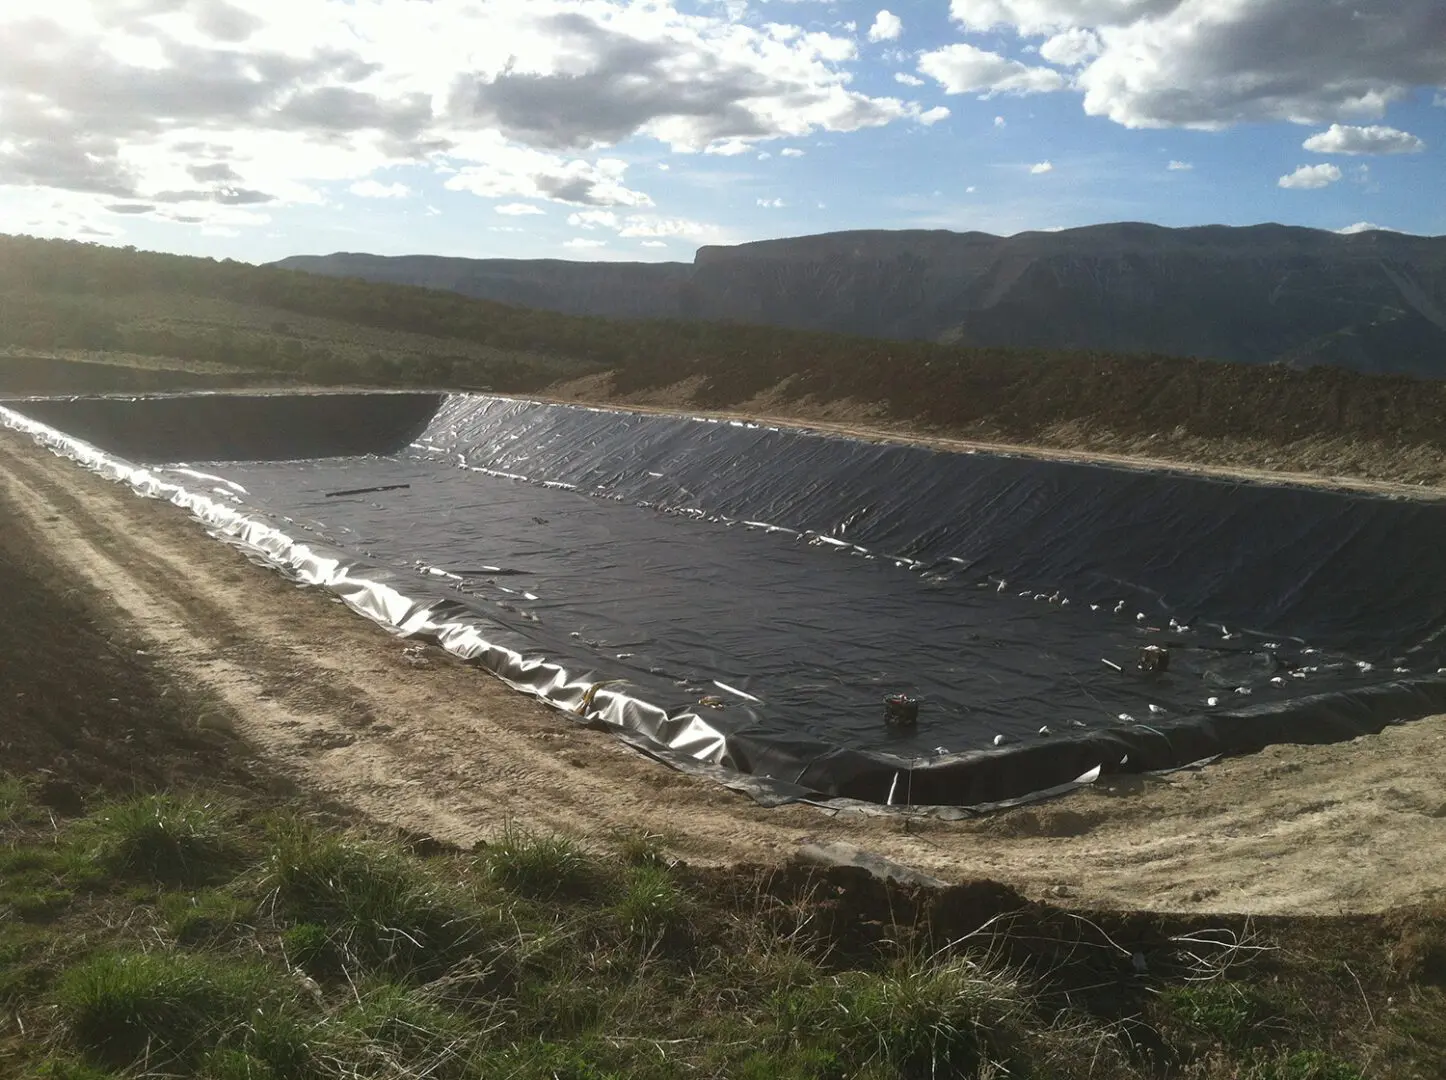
column 642, row 129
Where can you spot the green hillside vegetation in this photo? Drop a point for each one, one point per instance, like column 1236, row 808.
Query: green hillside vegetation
column 228, row 323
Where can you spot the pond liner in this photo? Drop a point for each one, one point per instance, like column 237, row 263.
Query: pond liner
column 241, row 427
column 771, row 770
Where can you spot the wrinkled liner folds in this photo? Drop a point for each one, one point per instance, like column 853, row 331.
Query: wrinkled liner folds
column 956, row 785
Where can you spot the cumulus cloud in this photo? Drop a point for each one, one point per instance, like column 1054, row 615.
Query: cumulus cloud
column 1179, row 166
column 518, row 209
column 791, row 151
column 121, row 101
column 771, row 204
column 1041, row 167
column 999, row 121
column 1364, row 226
column 605, row 71
column 659, row 227
column 1211, row 65
column 584, row 242
column 1071, row 48
column 1375, row 139
column 372, row 189
column 964, row 69
column 593, row 219
column 521, row 172
column 655, row 243
column 930, row 117
column 1192, row 63
column 887, row 27
column 1308, row 177
column 907, row 79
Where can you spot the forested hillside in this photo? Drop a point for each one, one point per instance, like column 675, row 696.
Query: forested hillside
column 227, row 323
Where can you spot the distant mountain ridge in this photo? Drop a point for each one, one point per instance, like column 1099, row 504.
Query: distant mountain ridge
column 1371, row 301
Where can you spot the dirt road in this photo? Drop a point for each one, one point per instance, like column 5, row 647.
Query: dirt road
column 334, row 703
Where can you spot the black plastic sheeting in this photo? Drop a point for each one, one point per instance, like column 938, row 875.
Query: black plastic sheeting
column 242, row 427
column 796, row 579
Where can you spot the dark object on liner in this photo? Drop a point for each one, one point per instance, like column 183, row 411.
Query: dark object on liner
column 366, row 491
column 901, row 711
column 1154, row 660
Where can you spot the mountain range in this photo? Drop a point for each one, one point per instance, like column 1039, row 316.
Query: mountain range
column 1373, row 301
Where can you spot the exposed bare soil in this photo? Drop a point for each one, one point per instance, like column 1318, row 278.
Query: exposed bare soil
column 331, row 701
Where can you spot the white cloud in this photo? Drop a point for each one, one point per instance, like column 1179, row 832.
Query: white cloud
column 659, row 228
column 1042, row 167
column 1214, row 63
column 790, row 151
column 970, row 190
column 729, row 148
column 663, row 166
column 518, row 209
column 371, row 189
column 932, row 116
column 999, row 121
column 1168, row 63
column 907, row 79
column 964, row 69
column 1179, row 166
column 584, row 242
column 887, row 27
column 765, row 156
column 1349, row 139
column 505, row 228
column 1071, row 48
column 191, row 107
column 1308, row 177
column 593, row 219
column 1364, row 226
column 771, row 204
column 512, row 171
column 655, row 243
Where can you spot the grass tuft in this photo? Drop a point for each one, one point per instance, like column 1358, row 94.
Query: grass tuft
column 378, row 909
column 951, row 1018
column 652, row 904
column 165, row 839
column 208, row 916
column 540, row 867
column 174, row 1008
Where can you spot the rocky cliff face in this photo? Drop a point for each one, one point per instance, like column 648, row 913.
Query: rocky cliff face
column 1373, row 301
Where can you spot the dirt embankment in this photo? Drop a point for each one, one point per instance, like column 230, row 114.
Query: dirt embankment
column 335, row 703
column 1323, row 424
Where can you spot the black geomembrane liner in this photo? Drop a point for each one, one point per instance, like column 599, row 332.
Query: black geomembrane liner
column 798, row 579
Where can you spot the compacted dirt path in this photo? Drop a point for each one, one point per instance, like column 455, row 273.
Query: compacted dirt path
column 333, row 702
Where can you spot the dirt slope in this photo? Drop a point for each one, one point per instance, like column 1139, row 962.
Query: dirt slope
column 332, row 700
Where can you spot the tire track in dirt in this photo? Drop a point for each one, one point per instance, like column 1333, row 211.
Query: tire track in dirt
column 446, row 749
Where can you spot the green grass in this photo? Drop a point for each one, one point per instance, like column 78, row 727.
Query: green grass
column 367, row 906
column 174, row 1008
column 211, row 915
column 541, row 867
column 956, row 1017
column 317, row 952
column 164, row 839
column 1231, row 1014
column 653, row 905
